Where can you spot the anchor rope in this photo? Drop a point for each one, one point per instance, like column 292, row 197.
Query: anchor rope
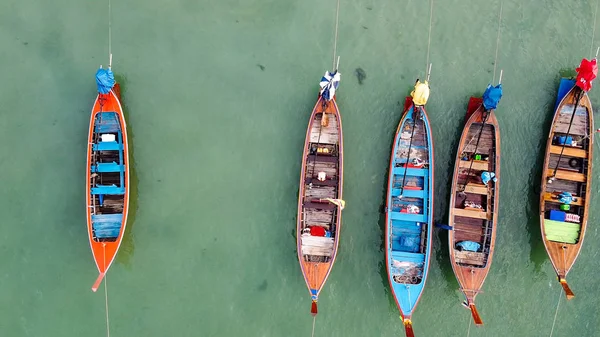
column 556, row 313
column 497, row 42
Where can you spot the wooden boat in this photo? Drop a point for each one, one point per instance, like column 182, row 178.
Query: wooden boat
column 107, row 177
column 473, row 211
column 320, row 198
column 409, row 210
column 567, row 173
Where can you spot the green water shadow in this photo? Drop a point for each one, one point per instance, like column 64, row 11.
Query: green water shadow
column 442, row 254
column 382, row 223
column 127, row 247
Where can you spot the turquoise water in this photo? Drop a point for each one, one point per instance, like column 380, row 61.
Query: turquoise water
column 218, row 95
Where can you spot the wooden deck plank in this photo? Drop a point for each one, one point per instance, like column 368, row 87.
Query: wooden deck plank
column 319, row 192
column 474, row 258
column 579, row 126
column 569, row 151
column 325, row 134
column 567, row 175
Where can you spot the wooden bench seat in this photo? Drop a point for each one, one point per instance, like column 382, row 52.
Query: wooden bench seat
column 548, row 197
column 568, row 151
column 479, row 165
column 322, row 158
column 476, row 188
column 567, row 175
column 471, row 214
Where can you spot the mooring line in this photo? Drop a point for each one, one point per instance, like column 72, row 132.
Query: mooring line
column 556, row 313
column 594, row 30
column 429, row 37
column 497, row 42
column 337, row 15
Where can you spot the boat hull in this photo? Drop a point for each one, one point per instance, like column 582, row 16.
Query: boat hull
column 104, row 248
column 322, row 154
column 573, row 174
column 473, row 212
column 407, row 263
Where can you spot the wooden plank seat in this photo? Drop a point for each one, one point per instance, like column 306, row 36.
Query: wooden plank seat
column 471, row 214
column 568, row 151
column 107, row 146
column 478, row 165
column 408, row 193
column 108, row 189
column 411, row 171
column 322, row 158
column 408, row 256
column 317, row 182
column 567, row 175
column 408, row 217
column 472, row 258
column 548, row 197
column 476, row 188
column 107, row 167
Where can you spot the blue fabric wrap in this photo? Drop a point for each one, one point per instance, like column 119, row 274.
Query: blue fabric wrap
column 469, row 245
column 565, row 198
column 105, row 80
column 487, row 176
column 492, row 96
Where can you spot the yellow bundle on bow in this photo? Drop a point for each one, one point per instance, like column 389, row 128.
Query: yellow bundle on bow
column 421, row 93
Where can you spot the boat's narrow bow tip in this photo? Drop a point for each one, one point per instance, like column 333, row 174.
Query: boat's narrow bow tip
column 408, row 327
column 475, row 314
column 98, row 281
column 568, row 292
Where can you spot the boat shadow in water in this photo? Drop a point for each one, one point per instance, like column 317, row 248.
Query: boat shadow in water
column 382, row 211
column 441, row 204
column 537, row 253
column 127, row 245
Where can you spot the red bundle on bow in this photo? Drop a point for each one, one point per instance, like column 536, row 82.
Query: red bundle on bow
column 586, row 73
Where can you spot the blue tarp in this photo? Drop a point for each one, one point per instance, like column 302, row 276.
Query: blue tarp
column 487, row 176
column 470, row 246
column 492, row 96
column 105, row 79
column 329, row 83
column 563, row 89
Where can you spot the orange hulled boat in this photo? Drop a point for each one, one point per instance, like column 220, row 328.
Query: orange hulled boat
column 107, row 177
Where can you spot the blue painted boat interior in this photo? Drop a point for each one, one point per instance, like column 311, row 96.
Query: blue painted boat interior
column 109, row 170
column 410, row 212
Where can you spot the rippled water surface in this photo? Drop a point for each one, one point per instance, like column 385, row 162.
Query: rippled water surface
column 218, row 95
